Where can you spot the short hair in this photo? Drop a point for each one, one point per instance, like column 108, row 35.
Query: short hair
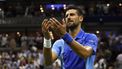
column 79, row 11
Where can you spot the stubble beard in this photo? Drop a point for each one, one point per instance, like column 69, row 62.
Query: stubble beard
column 72, row 27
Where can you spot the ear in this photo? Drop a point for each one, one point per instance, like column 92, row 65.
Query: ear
column 81, row 18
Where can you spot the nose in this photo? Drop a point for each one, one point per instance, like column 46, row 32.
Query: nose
column 68, row 19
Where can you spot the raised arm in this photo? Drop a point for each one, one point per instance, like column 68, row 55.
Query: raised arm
column 49, row 56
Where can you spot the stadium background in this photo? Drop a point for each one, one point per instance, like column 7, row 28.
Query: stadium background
column 21, row 38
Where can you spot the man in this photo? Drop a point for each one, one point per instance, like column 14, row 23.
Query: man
column 76, row 49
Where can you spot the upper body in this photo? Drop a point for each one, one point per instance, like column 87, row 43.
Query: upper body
column 70, row 60
column 76, row 48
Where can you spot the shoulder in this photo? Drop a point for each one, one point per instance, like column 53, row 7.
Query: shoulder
column 59, row 41
column 91, row 36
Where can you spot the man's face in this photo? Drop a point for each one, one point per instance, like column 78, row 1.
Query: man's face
column 72, row 18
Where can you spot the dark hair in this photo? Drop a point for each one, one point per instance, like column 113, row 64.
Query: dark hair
column 79, row 11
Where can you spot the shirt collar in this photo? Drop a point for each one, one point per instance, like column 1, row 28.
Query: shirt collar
column 80, row 34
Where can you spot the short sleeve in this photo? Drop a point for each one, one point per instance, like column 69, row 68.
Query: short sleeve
column 57, row 47
column 92, row 41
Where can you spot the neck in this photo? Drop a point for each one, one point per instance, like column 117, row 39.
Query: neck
column 75, row 31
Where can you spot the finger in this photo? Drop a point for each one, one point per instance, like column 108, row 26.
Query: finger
column 53, row 23
column 45, row 29
column 57, row 22
column 63, row 21
column 53, row 26
column 44, row 21
column 43, row 26
column 47, row 26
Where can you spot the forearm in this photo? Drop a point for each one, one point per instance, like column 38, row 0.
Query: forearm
column 47, row 51
column 82, row 51
column 47, row 56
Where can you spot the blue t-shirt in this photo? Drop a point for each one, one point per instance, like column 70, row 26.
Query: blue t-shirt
column 69, row 59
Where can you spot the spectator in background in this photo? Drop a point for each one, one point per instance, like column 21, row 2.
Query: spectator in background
column 105, row 9
column 19, row 9
column 119, row 61
column 1, row 13
column 41, row 57
column 12, row 41
column 31, row 40
column 57, row 64
column 39, row 40
column 4, row 40
column 111, row 38
column 23, row 40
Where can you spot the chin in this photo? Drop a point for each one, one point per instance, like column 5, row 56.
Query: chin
column 73, row 26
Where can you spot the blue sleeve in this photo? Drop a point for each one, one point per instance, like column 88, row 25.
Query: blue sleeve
column 92, row 41
column 57, row 47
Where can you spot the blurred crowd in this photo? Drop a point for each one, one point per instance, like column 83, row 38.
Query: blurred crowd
column 21, row 40
column 25, row 51
column 34, row 9
column 109, row 53
column 24, row 59
column 30, row 56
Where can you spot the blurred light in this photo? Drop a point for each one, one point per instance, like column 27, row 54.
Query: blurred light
column 0, row 9
column 52, row 7
column 42, row 10
column 64, row 6
column 120, row 4
column 18, row 33
column 101, row 19
column 97, row 32
column 58, row 7
column 108, row 4
column 6, row 35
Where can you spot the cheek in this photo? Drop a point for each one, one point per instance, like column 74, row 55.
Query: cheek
column 66, row 19
column 77, row 19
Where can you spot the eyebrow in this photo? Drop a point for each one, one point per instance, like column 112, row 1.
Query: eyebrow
column 69, row 14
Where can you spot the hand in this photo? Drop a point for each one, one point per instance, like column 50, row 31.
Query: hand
column 58, row 28
column 45, row 29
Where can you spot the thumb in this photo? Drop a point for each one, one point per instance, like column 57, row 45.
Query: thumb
column 63, row 21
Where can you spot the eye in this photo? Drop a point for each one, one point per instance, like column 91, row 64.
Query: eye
column 66, row 16
column 72, row 14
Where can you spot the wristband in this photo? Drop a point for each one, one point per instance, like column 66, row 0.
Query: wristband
column 67, row 38
column 47, row 43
